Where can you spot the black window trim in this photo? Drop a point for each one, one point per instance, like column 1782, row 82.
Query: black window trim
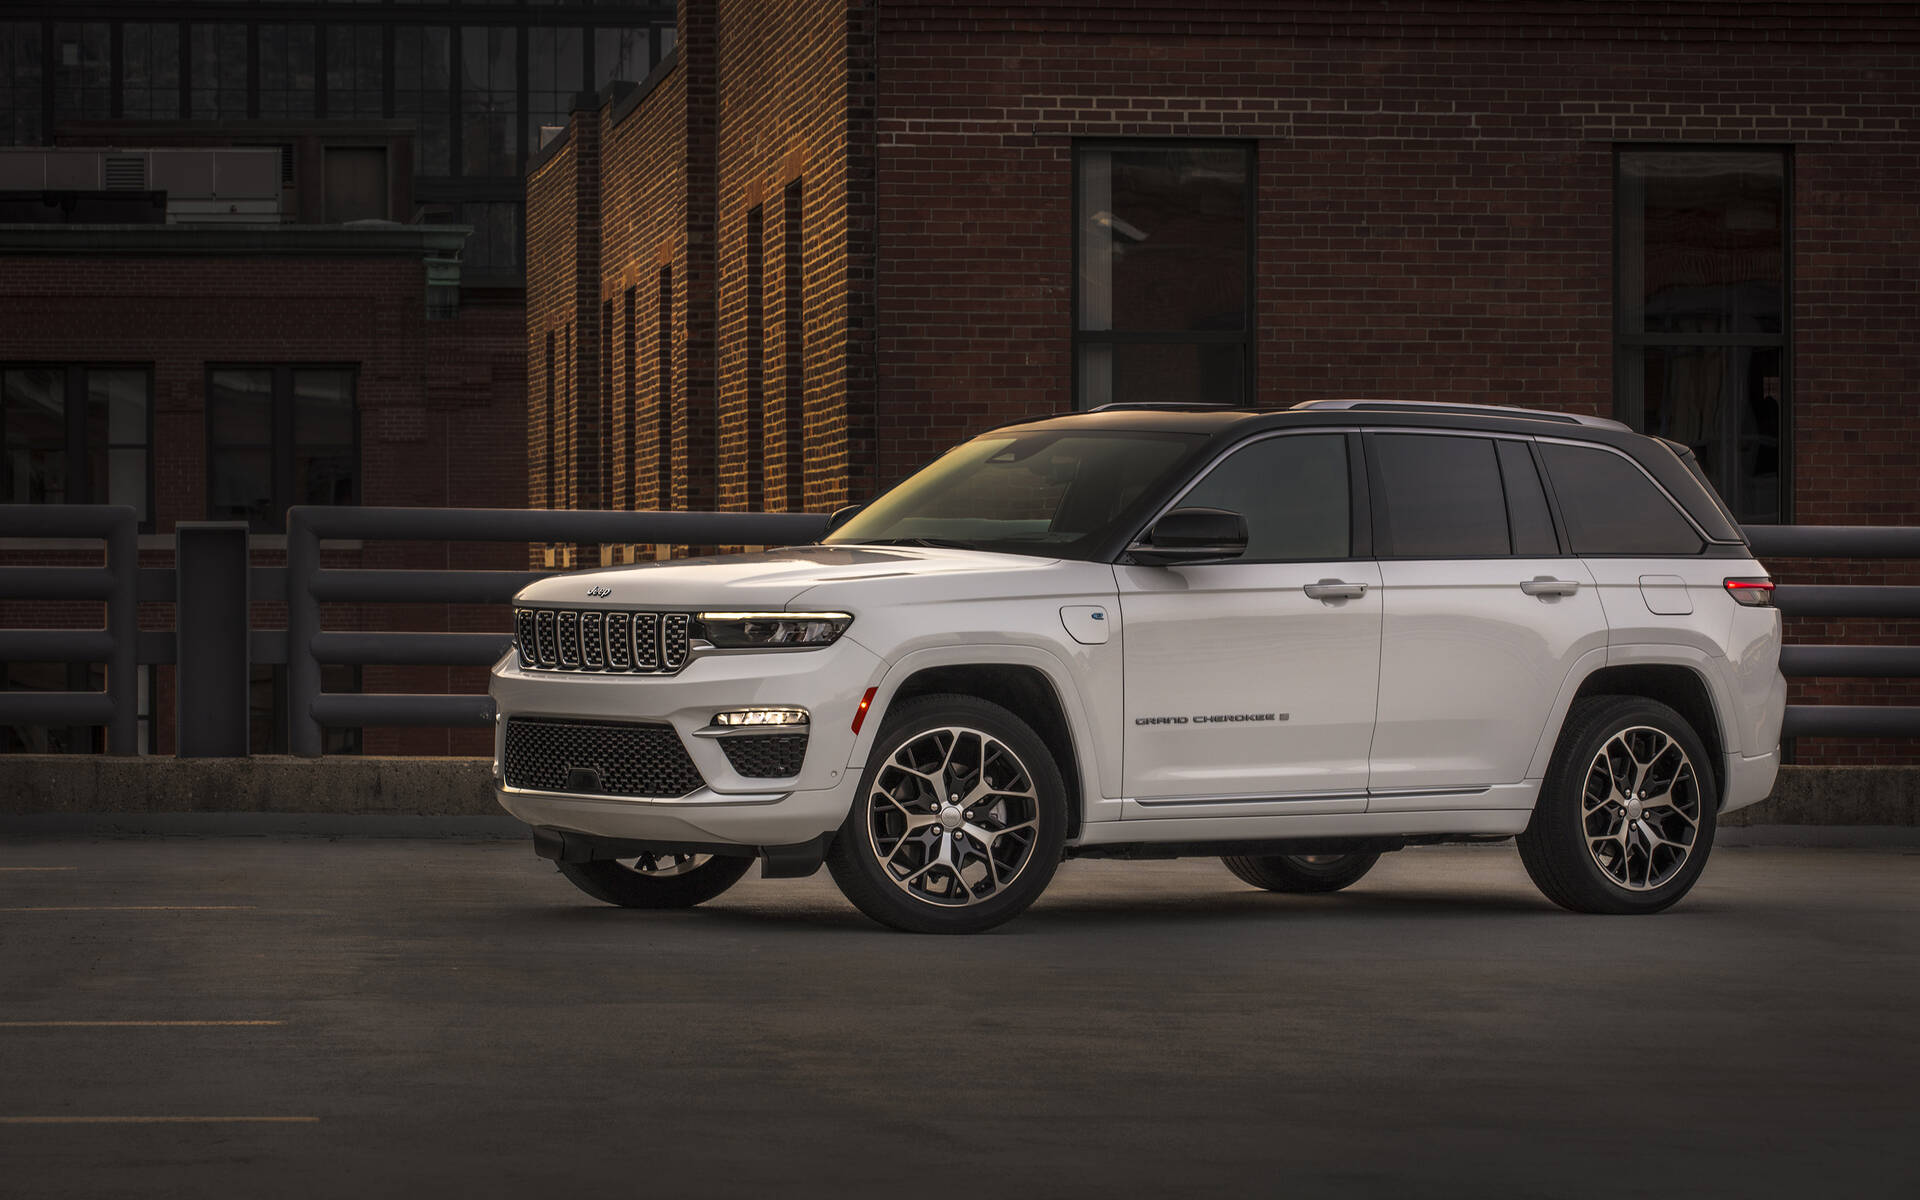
column 284, row 448
column 74, row 375
column 1248, row 337
column 1783, row 341
column 1359, row 527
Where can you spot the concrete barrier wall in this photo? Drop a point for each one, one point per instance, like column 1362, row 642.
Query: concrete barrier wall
column 460, row 787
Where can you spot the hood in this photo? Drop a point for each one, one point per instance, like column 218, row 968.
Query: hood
column 769, row 579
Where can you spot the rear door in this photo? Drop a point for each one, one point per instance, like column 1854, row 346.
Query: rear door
column 1250, row 684
column 1484, row 611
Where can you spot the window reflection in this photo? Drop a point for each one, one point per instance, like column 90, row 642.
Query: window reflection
column 554, row 77
column 489, row 106
column 356, row 67
column 423, row 91
column 82, row 71
column 150, row 62
column 286, row 71
column 219, row 78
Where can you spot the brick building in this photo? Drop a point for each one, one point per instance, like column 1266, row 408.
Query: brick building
column 826, row 239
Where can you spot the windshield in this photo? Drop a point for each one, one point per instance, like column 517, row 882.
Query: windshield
column 1049, row 492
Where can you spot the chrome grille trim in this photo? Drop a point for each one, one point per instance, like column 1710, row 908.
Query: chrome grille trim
column 602, row 641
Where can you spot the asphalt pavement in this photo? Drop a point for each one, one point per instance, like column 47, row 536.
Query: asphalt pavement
column 297, row 1016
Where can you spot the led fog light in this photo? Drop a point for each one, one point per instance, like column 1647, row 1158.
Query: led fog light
column 761, row 716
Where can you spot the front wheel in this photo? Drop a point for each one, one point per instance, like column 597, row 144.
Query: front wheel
column 1302, row 872
column 657, row 880
column 959, row 820
column 1625, row 817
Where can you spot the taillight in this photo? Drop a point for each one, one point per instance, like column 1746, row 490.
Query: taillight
column 1754, row 593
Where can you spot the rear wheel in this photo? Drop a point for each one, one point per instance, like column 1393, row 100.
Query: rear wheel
column 657, row 880
column 1302, row 872
column 1625, row 818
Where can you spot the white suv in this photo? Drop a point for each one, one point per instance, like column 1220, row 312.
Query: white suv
column 1292, row 640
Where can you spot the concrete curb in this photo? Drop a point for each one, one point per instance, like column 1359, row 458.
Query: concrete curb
column 47, row 785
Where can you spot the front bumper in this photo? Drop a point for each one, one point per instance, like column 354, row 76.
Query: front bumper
column 730, row 808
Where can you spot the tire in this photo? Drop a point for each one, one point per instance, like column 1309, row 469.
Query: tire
column 663, row 881
column 1625, row 818
column 1302, row 872
column 920, row 861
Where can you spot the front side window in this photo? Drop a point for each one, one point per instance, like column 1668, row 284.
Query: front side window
column 1037, row 492
column 280, row 436
column 74, row 434
column 1701, row 313
column 1293, row 493
column 1164, row 250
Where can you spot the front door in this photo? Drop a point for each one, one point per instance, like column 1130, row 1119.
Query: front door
column 1250, row 684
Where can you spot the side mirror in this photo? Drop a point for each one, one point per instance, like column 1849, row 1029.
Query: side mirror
column 841, row 516
column 1192, row 535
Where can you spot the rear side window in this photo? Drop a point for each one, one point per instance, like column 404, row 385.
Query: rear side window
column 1526, row 503
column 1611, row 507
column 1293, row 493
column 1438, row 497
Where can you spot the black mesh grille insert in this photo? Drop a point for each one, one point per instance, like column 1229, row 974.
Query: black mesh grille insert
column 627, row 760
column 766, row 756
column 569, row 639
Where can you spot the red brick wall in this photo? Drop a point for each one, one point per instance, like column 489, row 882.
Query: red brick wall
column 441, row 410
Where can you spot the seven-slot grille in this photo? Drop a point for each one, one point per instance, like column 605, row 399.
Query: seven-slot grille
column 568, row 639
column 598, row 758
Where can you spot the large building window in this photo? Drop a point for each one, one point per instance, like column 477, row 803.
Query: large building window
column 280, row 436
column 82, row 71
column 489, row 100
column 20, row 59
column 555, row 62
column 423, row 93
column 217, row 68
column 286, row 71
column 1164, row 250
column 1700, row 313
column 150, row 71
column 356, row 67
column 73, row 434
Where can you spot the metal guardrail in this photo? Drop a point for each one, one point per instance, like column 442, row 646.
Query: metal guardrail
column 1836, row 602
column 116, row 583
column 305, row 585
column 308, row 584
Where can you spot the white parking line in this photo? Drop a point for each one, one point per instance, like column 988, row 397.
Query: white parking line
column 128, row 1024
column 157, row 1120
column 128, row 908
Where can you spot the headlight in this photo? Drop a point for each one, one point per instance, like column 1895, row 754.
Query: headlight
column 772, row 631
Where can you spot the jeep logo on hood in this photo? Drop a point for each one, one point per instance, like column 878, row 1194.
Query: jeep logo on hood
column 598, row 592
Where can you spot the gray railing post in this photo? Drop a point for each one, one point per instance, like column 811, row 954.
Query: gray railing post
column 123, row 624
column 212, row 632
column 304, row 734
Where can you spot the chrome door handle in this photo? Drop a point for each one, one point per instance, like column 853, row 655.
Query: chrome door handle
column 1547, row 585
column 1335, row 589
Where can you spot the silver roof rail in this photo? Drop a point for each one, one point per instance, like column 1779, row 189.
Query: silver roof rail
column 1442, row 406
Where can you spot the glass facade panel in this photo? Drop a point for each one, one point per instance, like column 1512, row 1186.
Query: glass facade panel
column 286, row 71
column 494, row 247
column 423, row 92
column 622, row 54
column 554, row 77
column 1701, row 304
column 219, row 78
column 1163, row 238
column 489, row 101
column 20, row 56
column 356, row 71
column 117, row 439
column 82, row 71
column 150, row 65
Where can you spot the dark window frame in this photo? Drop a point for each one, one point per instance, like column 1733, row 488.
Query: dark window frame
column 1360, row 537
column 1247, row 337
column 1708, row 547
column 1626, row 346
column 79, row 463
column 285, row 447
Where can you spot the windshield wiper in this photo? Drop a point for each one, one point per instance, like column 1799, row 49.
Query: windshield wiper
column 937, row 543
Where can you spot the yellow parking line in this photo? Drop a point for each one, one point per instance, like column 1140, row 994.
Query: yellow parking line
column 157, row 1120
column 129, row 908
column 126, row 1024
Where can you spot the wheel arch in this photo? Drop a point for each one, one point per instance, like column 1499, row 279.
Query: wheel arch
column 1023, row 689
column 1679, row 687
